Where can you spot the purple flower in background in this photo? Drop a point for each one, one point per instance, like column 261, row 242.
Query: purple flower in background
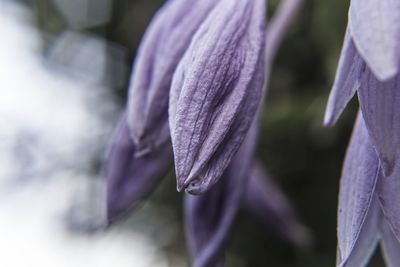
column 216, row 91
column 271, row 207
column 369, row 192
column 163, row 45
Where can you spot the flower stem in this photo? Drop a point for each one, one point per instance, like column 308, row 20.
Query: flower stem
column 278, row 26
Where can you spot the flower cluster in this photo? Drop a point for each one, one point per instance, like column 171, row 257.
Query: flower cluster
column 194, row 98
column 368, row 201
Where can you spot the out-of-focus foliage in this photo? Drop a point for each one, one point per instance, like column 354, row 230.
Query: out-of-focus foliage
column 304, row 157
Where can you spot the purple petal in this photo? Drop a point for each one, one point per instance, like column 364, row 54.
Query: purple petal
column 216, row 91
column 357, row 186
column 390, row 246
column 266, row 201
column 367, row 240
column 130, row 179
column 346, row 81
column 375, row 27
column 160, row 51
column 209, row 217
column 388, row 190
column 381, row 110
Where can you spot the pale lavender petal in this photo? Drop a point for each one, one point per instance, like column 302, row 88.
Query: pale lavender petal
column 379, row 103
column 388, row 190
column 130, row 179
column 357, row 186
column 216, row 91
column 209, row 217
column 267, row 202
column 367, row 240
column 346, row 81
column 163, row 45
column 375, row 27
column 390, row 246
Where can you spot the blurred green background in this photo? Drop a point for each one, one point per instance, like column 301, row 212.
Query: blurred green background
column 303, row 157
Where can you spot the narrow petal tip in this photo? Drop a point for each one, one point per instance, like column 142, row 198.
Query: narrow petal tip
column 329, row 119
column 346, row 82
column 179, row 188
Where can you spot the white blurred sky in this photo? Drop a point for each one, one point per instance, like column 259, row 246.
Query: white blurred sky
column 50, row 130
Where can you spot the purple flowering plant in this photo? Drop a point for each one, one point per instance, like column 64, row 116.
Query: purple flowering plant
column 195, row 95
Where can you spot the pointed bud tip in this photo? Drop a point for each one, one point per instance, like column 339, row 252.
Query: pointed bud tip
column 192, row 186
column 195, row 190
column 182, row 184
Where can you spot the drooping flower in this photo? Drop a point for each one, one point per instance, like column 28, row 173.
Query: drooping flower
column 369, row 64
column 163, row 45
column 369, row 187
column 216, row 91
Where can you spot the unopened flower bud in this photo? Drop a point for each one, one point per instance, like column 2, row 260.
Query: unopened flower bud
column 160, row 51
column 216, row 92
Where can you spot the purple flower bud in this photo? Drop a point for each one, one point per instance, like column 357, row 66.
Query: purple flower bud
column 216, row 91
column 209, row 217
column 160, row 51
column 265, row 200
column 130, row 179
